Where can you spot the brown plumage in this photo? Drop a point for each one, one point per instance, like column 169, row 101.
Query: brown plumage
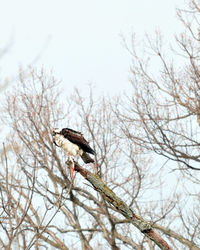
column 77, row 138
column 73, row 143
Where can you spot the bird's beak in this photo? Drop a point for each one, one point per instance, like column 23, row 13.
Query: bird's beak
column 55, row 131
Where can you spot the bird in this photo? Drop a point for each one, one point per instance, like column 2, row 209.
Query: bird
column 74, row 144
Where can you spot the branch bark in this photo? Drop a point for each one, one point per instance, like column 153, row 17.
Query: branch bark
column 144, row 226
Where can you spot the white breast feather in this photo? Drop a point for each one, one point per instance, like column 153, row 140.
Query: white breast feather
column 69, row 147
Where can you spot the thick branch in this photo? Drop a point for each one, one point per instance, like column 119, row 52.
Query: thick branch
column 144, row 226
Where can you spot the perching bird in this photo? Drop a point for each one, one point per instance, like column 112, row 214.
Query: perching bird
column 73, row 143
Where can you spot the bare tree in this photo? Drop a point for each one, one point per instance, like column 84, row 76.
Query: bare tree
column 41, row 207
column 157, row 125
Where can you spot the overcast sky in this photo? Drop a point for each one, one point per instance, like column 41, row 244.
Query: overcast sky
column 80, row 39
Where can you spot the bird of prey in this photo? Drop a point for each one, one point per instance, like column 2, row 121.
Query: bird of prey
column 74, row 144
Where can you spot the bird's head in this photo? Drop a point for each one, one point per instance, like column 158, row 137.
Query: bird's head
column 55, row 131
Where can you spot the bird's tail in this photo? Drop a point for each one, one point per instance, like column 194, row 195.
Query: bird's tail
column 86, row 158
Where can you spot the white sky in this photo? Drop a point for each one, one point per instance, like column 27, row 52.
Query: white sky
column 80, row 39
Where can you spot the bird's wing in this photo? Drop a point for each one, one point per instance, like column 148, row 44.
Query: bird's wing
column 78, row 139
